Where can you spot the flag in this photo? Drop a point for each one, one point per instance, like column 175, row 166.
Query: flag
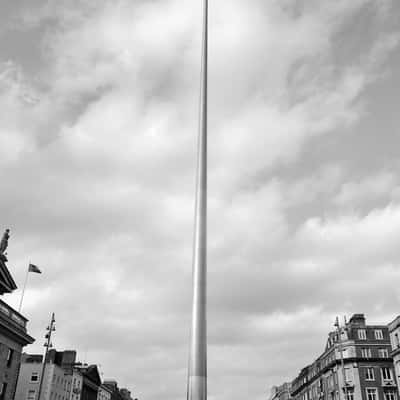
column 34, row 268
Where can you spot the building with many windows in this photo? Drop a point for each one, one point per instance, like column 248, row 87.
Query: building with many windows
column 64, row 379
column 281, row 392
column 61, row 379
column 91, row 382
column 355, row 365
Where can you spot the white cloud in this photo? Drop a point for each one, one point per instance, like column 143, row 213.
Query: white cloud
column 372, row 187
column 98, row 179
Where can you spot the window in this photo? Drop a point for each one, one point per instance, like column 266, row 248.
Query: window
column 3, row 391
column 366, row 353
column 369, row 374
column 362, row 334
column 31, row 395
column 378, row 334
column 390, row 394
column 9, row 357
column 348, row 372
column 386, row 374
column 383, row 353
column 371, row 394
column 35, row 377
column 350, row 394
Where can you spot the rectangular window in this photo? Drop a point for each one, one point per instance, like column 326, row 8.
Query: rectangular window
column 9, row 357
column 349, row 394
column 348, row 372
column 371, row 394
column 378, row 334
column 3, row 391
column 386, row 374
column 366, row 353
column 369, row 374
column 35, row 377
column 362, row 334
column 390, row 394
column 31, row 395
column 383, row 353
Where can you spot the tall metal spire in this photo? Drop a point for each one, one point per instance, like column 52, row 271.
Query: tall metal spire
column 197, row 377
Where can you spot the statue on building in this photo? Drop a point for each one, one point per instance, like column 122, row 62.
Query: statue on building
column 4, row 244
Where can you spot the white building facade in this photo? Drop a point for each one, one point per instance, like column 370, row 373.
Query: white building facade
column 57, row 385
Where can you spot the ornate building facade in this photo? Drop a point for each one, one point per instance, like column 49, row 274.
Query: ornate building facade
column 281, row 392
column 356, row 365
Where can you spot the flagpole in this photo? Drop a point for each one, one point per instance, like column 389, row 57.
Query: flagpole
column 23, row 290
column 197, row 374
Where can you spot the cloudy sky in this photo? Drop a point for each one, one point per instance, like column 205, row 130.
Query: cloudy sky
column 98, row 128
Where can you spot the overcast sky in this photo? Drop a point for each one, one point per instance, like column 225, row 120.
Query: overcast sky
column 98, row 129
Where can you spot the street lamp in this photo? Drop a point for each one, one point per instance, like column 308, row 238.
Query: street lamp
column 47, row 345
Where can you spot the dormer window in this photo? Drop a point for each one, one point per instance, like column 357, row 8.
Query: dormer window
column 378, row 334
column 362, row 334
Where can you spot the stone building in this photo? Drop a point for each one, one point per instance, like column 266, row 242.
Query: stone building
column 61, row 379
column 355, row 365
column 394, row 332
column 115, row 392
column 281, row 392
column 104, row 393
column 91, row 382
column 13, row 333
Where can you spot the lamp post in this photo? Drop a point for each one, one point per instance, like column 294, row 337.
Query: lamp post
column 48, row 345
column 197, row 374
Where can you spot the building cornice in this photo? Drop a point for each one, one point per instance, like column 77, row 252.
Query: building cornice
column 14, row 324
